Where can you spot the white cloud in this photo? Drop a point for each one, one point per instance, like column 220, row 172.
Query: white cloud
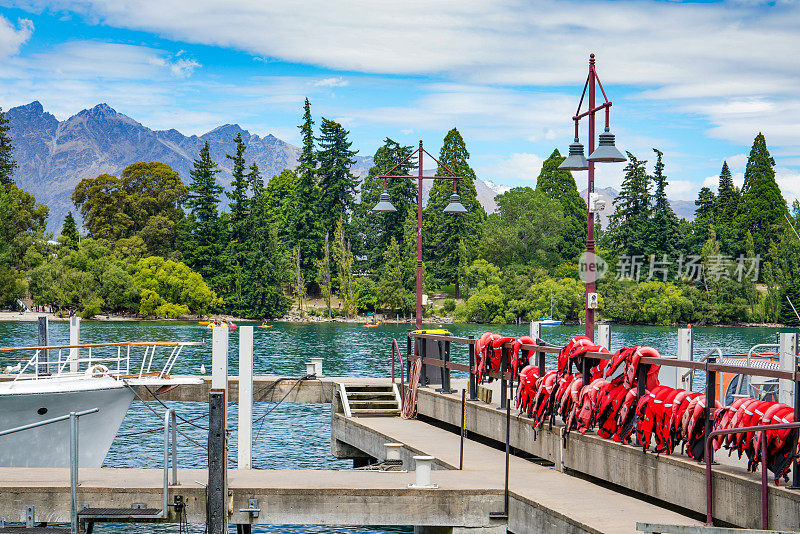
column 334, row 81
column 11, row 37
column 789, row 182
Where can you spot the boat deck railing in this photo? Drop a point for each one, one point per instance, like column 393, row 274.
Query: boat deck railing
column 97, row 359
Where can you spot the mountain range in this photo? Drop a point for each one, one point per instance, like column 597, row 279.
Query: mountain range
column 53, row 156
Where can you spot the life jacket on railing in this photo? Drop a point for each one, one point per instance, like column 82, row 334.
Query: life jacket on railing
column 517, row 362
column 526, row 390
column 633, row 365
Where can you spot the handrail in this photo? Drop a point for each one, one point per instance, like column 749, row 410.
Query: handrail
column 73, row 457
column 764, row 485
column 94, row 345
column 396, row 347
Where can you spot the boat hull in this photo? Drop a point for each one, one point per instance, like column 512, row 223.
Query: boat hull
column 48, row 446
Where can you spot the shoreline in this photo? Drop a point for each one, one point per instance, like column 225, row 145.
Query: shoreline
column 12, row 316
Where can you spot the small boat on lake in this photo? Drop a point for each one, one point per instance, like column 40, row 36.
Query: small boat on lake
column 61, row 379
column 549, row 321
column 265, row 326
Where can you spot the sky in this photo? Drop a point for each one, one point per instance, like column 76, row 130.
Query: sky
column 697, row 80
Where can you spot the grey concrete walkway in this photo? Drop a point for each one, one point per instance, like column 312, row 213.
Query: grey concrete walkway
column 541, row 496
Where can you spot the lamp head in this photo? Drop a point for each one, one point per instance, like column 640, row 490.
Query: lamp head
column 455, row 205
column 384, row 205
column 606, row 151
column 576, row 161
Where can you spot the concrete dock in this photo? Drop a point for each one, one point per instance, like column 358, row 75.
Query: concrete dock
column 607, row 495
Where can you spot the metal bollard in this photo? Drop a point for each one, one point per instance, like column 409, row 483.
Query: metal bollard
column 423, row 473
column 311, row 368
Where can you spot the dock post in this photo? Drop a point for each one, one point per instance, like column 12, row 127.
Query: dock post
column 685, row 351
column 43, row 368
column 217, row 517
column 604, row 336
column 503, row 381
column 787, row 348
column 711, row 394
column 536, row 329
column 473, row 379
column 73, row 473
column 423, row 377
column 74, row 339
column 245, row 440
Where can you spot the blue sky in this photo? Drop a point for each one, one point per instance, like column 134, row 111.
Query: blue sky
column 696, row 80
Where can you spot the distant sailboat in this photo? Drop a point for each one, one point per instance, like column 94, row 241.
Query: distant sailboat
column 549, row 321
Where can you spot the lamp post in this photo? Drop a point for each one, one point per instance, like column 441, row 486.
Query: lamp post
column 606, row 152
column 385, row 206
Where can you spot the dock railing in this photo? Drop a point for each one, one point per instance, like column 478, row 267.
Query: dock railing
column 764, row 484
column 73, row 456
column 709, row 366
column 69, row 360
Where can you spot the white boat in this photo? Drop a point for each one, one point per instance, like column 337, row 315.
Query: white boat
column 549, row 321
column 45, row 388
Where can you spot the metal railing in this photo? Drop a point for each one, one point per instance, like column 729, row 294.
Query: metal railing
column 69, row 362
column 764, row 484
column 73, row 457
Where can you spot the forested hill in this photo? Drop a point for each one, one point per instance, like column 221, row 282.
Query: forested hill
column 53, row 156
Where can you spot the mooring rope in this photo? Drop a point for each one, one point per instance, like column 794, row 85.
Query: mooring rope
column 409, row 409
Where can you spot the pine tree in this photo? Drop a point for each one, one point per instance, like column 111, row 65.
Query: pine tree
column 628, row 226
column 727, row 195
column 377, row 229
column 444, row 231
column 324, row 275
column 255, row 180
column 560, row 186
column 336, row 182
column 7, row 163
column 390, row 283
column 70, row 232
column 664, row 226
column 238, row 195
column 307, row 161
column 265, row 268
column 303, row 223
column 204, row 248
column 762, row 207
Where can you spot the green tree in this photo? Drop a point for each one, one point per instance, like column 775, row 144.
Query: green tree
column 727, row 195
column 560, row 186
column 204, row 246
column 376, row 230
column 7, row 163
column 278, row 196
column 69, row 231
column 762, row 207
column 265, row 270
column 324, row 280
column 390, row 283
column 238, row 194
column 337, row 183
column 444, row 231
column 629, row 225
column 528, row 228
column 665, row 235
column 172, row 283
column 343, row 259
column 304, row 222
column 113, row 208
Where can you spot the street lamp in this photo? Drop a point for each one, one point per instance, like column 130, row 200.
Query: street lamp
column 385, row 206
column 606, row 152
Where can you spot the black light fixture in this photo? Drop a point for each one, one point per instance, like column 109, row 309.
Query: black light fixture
column 576, row 161
column 606, row 151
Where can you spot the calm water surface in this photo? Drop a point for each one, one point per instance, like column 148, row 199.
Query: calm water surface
column 297, row 436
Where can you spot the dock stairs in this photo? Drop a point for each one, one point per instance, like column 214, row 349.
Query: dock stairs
column 369, row 400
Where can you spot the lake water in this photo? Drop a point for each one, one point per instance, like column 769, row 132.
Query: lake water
column 297, row 436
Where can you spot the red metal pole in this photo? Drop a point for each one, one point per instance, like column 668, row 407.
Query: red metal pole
column 764, row 486
column 419, row 240
column 709, row 499
column 590, row 284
